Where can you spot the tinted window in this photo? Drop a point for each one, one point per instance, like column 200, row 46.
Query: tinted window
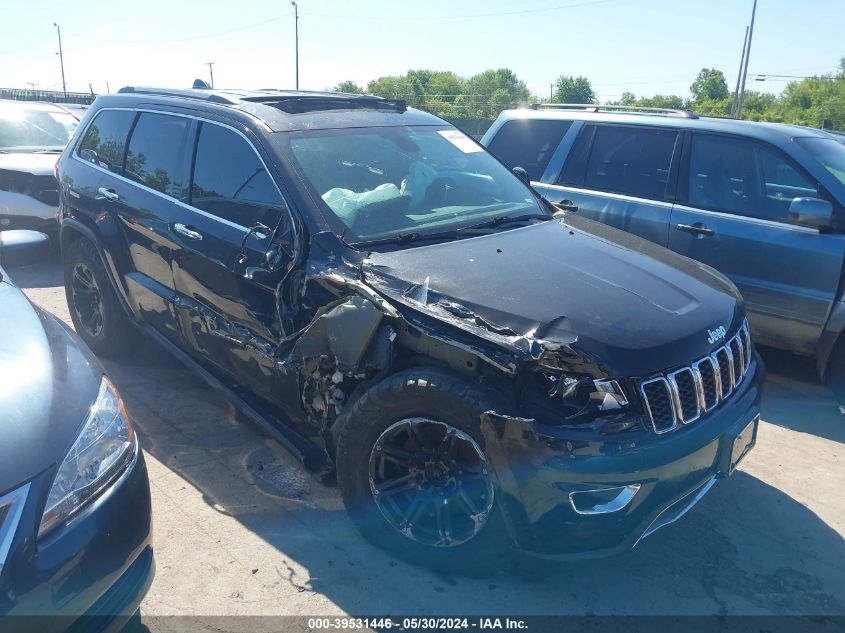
column 633, row 161
column 104, row 142
column 745, row 178
column 156, row 152
column 230, row 181
column 576, row 160
column 528, row 143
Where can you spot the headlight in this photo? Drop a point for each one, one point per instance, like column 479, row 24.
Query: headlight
column 105, row 445
column 603, row 395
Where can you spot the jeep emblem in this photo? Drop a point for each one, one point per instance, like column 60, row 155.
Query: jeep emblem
column 716, row 335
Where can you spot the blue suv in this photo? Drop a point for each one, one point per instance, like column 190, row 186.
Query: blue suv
column 763, row 203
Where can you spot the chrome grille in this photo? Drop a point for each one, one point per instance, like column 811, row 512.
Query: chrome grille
column 684, row 394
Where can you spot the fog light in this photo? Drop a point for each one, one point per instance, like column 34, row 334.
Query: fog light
column 602, row 500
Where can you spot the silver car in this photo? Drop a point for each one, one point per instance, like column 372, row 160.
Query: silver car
column 32, row 135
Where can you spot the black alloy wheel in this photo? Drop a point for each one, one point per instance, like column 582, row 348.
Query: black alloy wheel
column 87, row 300
column 431, row 481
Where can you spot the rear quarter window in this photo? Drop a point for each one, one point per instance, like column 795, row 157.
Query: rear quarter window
column 528, row 143
column 104, row 142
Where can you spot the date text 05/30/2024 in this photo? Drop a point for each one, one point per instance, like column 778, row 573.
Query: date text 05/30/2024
column 417, row 624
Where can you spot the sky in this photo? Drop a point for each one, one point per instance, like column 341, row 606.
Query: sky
column 643, row 46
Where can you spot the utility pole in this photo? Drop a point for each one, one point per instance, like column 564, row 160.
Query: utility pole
column 747, row 56
column 551, row 92
column 61, row 57
column 108, row 90
column 296, row 35
column 211, row 71
column 739, row 75
column 31, row 85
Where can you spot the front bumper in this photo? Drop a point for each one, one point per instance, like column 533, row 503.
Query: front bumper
column 90, row 573
column 539, row 466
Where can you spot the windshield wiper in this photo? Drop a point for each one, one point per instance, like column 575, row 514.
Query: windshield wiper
column 407, row 238
column 501, row 220
column 454, row 234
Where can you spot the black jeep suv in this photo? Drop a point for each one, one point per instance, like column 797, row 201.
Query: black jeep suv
column 397, row 307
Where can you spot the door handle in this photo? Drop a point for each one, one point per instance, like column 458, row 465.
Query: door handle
column 108, row 194
column 696, row 229
column 187, row 231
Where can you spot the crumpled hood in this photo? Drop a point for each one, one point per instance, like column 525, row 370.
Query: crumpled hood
column 623, row 303
column 30, row 163
column 48, row 380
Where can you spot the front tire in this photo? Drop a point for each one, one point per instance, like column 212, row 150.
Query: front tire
column 95, row 310
column 414, row 474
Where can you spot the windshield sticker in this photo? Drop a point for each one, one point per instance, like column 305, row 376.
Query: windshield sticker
column 461, row 141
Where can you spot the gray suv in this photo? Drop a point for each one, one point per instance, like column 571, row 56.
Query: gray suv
column 763, row 203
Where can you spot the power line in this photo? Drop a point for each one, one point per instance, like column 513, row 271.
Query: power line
column 460, row 16
column 207, row 35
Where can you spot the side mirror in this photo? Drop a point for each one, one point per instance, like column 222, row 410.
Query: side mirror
column 813, row 212
column 22, row 248
column 520, row 173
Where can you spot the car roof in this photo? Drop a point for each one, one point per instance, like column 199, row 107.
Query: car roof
column 670, row 118
column 34, row 105
column 279, row 110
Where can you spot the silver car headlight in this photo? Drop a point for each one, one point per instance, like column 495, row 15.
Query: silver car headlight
column 100, row 453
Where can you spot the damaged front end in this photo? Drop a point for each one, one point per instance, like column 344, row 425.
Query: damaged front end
column 361, row 325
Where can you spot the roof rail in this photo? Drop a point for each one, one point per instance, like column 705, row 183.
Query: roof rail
column 617, row 109
column 194, row 93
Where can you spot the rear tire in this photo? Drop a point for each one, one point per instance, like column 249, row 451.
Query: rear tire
column 95, row 310
column 420, row 429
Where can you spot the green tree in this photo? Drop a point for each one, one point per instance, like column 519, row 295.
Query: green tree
column 710, row 84
column 489, row 92
column 657, row 101
column 817, row 102
column 569, row 89
column 350, row 87
column 390, row 87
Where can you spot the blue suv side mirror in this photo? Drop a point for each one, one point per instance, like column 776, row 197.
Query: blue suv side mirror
column 813, row 212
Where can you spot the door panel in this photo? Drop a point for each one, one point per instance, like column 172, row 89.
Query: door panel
column 623, row 176
column 787, row 274
column 226, row 287
column 144, row 200
column 647, row 218
column 736, row 220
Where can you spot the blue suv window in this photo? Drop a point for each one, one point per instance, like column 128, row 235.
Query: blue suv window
column 528, row 143
column 743, row 177
column 631, row 160
column 104, row 142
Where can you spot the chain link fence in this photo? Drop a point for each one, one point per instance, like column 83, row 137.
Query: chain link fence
column 51, row 96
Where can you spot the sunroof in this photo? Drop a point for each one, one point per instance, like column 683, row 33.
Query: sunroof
column 300, row 104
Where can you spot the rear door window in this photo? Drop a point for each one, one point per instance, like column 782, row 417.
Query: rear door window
column 230, row 180
column 528, row 143
column 156, row 153
column 631, row 160
column 104, row 142
column 745, row 178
